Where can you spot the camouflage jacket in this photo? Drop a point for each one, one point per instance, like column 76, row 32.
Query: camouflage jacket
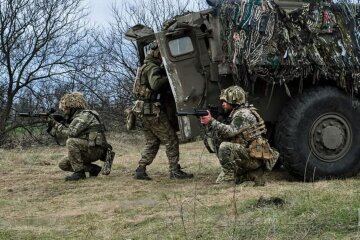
column 152, row 74
column 154, row 77
column 81, row 124
column 240, row 117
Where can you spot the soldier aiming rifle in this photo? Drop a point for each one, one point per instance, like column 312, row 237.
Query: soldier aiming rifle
column 86, row 141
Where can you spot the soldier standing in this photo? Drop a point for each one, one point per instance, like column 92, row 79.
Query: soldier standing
column 242, row 151
column 86, row 141
column 154, row 108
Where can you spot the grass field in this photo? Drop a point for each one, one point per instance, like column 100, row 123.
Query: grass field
column 36, row 203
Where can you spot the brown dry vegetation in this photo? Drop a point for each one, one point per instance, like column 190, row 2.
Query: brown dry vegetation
column 36, row 203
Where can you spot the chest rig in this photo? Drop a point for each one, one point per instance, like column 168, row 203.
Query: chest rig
column 147, row 102
column 259, row 146
column 96, row 133
column 140, row 88
column 255, row 130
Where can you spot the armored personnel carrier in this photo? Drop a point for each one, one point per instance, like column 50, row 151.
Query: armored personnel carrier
column 298, row 61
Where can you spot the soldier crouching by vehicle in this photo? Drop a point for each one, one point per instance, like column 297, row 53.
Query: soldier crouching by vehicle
column 243, row 152
column 86, row 141
column 153, row 107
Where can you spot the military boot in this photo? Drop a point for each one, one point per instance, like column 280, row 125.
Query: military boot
column 225, row 176
column 176, row 172
column 76, row 176
column 140, row 173
column 94, row 170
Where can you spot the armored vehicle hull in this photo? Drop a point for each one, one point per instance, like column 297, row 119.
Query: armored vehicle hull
column 299, row 63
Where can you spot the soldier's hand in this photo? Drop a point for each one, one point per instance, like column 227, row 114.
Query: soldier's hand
column 51, row 122
column 205, row 119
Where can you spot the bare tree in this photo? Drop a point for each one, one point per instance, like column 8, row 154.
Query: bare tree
column 40, row 41
column 121, row 56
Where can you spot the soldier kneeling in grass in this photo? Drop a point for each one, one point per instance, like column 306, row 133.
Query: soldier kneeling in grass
column 86, row 141
column 243, row 152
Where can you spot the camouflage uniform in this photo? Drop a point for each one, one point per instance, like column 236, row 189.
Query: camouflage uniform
column 86, row 141
column 158, row 130
column 233, row 149
column 158, row 121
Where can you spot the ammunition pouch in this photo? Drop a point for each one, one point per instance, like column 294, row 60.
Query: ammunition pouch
column 130, row 119
column 147, row 108
column 260, row 149
column 272, row 162
column 142, row 91
column 96, row 139
column 139, row 88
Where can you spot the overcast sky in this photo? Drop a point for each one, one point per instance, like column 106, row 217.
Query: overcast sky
column 100, row 11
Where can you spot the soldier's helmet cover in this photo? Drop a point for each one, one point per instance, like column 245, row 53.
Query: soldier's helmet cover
column 73, row 100
column 233, row 95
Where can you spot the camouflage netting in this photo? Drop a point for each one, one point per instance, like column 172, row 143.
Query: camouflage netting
column 318, row 41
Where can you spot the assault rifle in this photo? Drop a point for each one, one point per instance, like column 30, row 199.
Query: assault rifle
column 201, row 112
column 51, row 114
column 46, row 115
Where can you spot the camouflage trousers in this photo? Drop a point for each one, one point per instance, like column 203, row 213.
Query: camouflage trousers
column 236, row 161
column 80, row 155
column 158, row 130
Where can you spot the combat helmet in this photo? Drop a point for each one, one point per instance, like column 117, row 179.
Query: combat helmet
column 233, row 95
column 73, row 100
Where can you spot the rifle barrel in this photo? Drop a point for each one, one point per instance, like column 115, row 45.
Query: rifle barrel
column 35, row 115
column 197, row 113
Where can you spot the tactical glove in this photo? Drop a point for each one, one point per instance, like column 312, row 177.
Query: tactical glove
column 51, row 122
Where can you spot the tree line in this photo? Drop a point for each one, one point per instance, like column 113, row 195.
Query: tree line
column 48, row 48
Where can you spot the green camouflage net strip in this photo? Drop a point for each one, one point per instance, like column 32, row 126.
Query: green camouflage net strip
column 318, row 41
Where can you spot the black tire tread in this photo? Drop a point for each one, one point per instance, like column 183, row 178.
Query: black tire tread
column 285, row 133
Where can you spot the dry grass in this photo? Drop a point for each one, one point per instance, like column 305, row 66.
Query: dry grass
column 36, row 203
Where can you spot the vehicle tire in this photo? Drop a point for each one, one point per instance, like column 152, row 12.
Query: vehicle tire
column 318, row 135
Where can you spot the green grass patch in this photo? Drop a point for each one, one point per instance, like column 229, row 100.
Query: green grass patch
column 36, row 202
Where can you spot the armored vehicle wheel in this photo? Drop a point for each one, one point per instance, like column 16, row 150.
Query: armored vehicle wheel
column 318, row 135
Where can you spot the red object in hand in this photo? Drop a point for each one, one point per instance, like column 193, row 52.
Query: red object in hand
column 205, row 119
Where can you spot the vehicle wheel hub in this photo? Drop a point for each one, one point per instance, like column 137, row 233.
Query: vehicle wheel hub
column 330, row 137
